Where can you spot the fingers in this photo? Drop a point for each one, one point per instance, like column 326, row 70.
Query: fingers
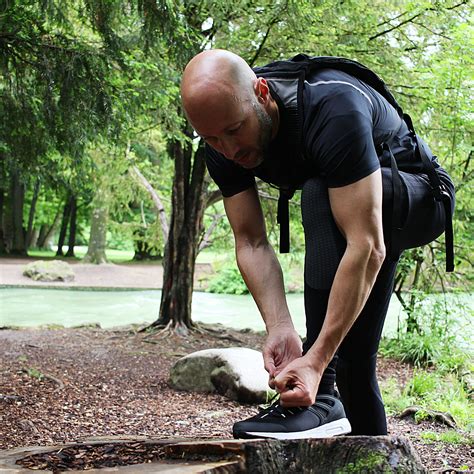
column 293, row 392
column 269, row 365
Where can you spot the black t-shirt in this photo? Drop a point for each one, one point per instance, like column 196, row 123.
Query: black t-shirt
column 344, row 121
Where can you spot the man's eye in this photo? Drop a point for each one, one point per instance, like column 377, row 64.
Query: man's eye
column 235, row 129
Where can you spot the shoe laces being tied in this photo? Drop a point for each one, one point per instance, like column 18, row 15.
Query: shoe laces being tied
column 276, row 410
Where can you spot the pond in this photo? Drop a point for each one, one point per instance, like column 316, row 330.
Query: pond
column 37, row 307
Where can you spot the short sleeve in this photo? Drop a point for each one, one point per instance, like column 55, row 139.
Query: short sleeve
column 339, row 136
column 229, row 177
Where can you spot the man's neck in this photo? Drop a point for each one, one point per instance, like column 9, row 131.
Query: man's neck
column 274, row 113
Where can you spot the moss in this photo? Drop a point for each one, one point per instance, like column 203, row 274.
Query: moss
column 367, row 462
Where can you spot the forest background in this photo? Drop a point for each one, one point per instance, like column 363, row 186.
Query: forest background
column 95, row 149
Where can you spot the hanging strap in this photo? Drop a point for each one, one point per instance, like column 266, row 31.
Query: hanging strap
column 397, row 187
column 283, row 219
column 440, row 194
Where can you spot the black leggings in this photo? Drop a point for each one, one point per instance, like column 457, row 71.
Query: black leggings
column 354, row 367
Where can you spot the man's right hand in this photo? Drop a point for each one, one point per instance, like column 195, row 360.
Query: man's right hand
column 283, row 345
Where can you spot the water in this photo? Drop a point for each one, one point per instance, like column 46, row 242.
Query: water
column 36, row 307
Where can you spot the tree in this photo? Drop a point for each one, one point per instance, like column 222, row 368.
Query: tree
column 53, row 90
column 394, row 46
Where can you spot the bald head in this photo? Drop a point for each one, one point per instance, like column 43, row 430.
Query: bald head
column 229, row 107
column 216, row 73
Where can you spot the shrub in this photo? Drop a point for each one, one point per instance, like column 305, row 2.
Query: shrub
column 230, row 281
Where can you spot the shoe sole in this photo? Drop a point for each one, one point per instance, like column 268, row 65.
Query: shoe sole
column 328, row 430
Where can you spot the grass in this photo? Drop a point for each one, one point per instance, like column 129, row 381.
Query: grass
column 120, row 256
column 35, row 373
column 113, row 255
column 431, row 391
column 449, row 437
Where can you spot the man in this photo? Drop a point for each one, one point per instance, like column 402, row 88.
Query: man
column 344, row 129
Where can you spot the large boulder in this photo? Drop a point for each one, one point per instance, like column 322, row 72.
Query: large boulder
column 235, row 372
column 51, row 270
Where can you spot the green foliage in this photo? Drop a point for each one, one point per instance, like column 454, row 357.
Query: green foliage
column 228, row 280
column 430, row 391
column 394, row 396
column 34, row 373
column 449, row 437
column 368, row 461
column 441, row 339
column 81, row 75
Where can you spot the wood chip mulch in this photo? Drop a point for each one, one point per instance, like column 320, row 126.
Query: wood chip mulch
column 66, row 385
column 80, row 458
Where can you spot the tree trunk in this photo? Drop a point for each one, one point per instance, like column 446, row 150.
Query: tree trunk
column 64, row 224
column 98, row 235
column 34, row 238
column 181, row 248
column 3, row 247
column 47, row 233
column 31, row 215
column 42, row 235
column 72, row 228
column 17, row 196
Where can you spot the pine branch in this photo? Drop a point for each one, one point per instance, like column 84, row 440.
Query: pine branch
column 259, row 50
column 389, row 30
column 411, row 19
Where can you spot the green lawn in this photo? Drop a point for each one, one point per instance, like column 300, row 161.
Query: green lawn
column 121, row 256
column 113, row 255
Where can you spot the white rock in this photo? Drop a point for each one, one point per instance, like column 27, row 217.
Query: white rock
column 49, row 270
column 235, row 372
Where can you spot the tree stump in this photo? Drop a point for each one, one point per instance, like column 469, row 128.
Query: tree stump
column 354, row 454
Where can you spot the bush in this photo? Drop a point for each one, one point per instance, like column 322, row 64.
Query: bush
column 229, row 281
column 440, row 341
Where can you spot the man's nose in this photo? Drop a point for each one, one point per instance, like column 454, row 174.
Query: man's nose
column 230, row 148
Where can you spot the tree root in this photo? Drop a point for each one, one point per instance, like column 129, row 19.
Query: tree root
column 437, row 416
column 10, row 398
column 60, row 383
column 29, row 425
column 160, row 331
column 217, row 332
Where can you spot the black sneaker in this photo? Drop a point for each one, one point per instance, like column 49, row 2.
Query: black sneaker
column 324, row 419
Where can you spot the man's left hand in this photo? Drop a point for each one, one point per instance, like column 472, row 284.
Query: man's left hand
column 298, row 383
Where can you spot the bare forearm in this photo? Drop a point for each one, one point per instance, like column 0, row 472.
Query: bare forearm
column 352, row 284
column 262, row 273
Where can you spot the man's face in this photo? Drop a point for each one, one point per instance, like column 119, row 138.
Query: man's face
column 240, row 130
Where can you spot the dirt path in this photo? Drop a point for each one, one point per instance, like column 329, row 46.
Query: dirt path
column 124, row 275
column 72, row 384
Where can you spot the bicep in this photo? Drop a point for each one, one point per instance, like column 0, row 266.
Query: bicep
column 357, row 210
column 246, row 217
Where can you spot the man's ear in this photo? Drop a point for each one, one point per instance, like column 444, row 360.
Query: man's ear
column 261, row 90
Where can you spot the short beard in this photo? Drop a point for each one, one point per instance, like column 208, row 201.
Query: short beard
column 265, row 132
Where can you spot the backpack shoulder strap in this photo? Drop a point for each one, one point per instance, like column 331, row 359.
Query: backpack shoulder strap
column 304, row 64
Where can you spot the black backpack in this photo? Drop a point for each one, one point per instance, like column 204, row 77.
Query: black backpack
column 299, row 67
